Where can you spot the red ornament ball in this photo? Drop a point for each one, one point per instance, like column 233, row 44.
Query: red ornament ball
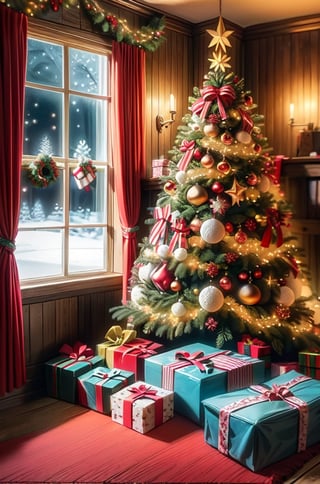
column 225, row 283
column 224, row 167
column 170, row 187
column 229, row 227
column 217, row 187
column 252, row 179
column 227, row 139
column 243, row 276
column 241, row 237
column 197, row 154
column 257, row 273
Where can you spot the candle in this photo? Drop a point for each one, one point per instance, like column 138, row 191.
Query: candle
column 291, row 111
column 172, row 103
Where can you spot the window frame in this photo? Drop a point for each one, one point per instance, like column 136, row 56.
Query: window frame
column 48, row 288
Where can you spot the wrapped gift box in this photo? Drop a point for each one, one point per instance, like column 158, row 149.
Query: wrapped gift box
column 142, row 407
column 131, row 356
column 255, row 349
column 114, row 338
column 309, row 363
column 160, row 168
column 263, row 424
column 96, row 387
column 194, row 381
column 279, row 368
column 61, row 372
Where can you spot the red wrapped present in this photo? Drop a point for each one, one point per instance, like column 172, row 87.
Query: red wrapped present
column 279, row 368
column 255, row 348
column 114, row 338
column 131, row 356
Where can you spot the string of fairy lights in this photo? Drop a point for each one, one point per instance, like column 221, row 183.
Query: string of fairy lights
column 148, row 37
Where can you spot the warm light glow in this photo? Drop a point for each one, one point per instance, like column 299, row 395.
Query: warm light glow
column 172, row 103
column 291, row 111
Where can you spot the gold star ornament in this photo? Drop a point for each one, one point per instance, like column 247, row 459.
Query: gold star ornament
column 219, row 61
column 220, row 37
column 236, row 192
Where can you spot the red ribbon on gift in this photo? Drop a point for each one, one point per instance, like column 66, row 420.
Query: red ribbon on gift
column 141, row 349
column 274, row 220
column 142, row 391
column 281, row 392
column 78, row 351
column 184, row 358
column 224, row 96
column 179, row 238
column 162, row 216
column 240, row 372
column 187, row 147
column 106, row 377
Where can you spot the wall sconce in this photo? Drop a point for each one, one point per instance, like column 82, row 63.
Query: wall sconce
column 292, row 124
column 161, row 122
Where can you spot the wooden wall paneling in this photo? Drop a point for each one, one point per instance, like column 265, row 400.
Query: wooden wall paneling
column 49, row 343
column 67, row 320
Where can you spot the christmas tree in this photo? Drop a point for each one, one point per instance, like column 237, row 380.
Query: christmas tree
column 220, row 258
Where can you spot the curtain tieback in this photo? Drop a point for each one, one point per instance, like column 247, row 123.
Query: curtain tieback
column 8, row 244
column 128, row 232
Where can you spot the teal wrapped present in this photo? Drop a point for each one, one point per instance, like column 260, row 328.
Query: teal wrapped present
column 61, row 372
column 198, row 371
column 264, row 424
column 96, row 387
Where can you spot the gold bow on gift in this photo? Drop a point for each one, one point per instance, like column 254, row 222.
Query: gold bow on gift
column 115, row 337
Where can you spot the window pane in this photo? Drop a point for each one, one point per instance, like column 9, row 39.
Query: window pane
column 87, row 72
column 42, row 206
column 43, row 122
column 39, row 253
column 87, row 123
column 88, row 206
column 87, row 249
column 44, row 63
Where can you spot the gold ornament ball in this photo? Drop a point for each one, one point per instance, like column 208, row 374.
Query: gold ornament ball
column 196, row 291
column 207, row 161
column 249, row 294
column 196, row 241
column 197, row 195
column 234, row 117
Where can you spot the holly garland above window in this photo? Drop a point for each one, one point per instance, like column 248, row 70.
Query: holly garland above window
column 148, row 37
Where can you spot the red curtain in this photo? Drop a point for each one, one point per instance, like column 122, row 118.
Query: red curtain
column 13, row 55
column 128, row 143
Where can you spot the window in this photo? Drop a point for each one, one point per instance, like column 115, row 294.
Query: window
column 63, row 227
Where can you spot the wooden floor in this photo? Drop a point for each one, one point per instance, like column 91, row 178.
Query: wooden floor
column 45, row 413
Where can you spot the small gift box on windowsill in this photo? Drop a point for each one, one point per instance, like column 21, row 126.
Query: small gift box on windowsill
column 142, row 407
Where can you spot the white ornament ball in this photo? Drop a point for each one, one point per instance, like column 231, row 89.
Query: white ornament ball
column 180, row 254
column 145, row 272
column 212, row 231
column 244, row 137
column 178, row 309
column 181, row 177
column 137, row 294
column 211, row 299
column 163, row 251
column 295, row 284
column 286, row 296
column 264, row 184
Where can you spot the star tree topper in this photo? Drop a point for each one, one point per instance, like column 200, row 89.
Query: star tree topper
column 220, row 42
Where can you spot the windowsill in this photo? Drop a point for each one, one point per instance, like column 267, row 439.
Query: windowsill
column 58, row 290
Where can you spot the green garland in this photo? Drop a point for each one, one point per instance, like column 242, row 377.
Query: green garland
column 43, row 171
column 149, row 37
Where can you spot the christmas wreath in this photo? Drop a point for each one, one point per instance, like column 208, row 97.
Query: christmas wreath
column 43, row 171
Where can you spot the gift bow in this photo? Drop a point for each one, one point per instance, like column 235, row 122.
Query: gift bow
column 187, row 147
column 224, row 96
column 78, row 351
column 278, row 392
column 247, row 340
column 196, row 359
column 179, row 237
column 274, row 220
column 142, row 391
column 107, row 376
column 141, row 349
column 117, row 336
column 162, row 216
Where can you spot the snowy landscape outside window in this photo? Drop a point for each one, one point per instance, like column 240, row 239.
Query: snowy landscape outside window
column 64, row 210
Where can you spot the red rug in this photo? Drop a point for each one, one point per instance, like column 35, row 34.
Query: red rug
column 90, row 448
